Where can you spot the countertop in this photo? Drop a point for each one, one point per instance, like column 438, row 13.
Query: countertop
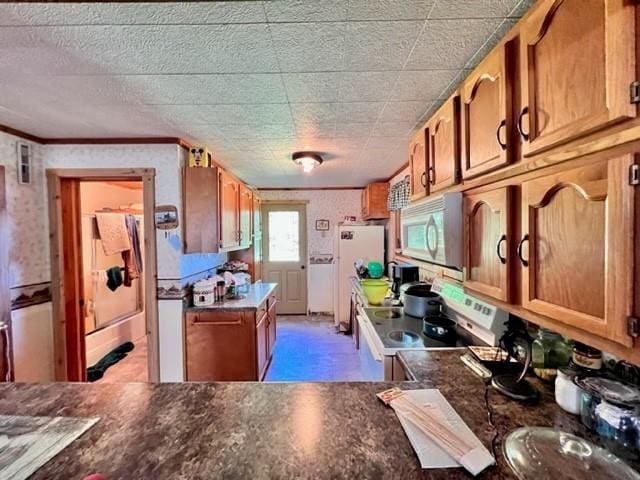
column 257, row 294
column 266, row 430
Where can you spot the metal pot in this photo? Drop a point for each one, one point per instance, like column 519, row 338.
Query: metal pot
column 438, row 327
column 419, row 301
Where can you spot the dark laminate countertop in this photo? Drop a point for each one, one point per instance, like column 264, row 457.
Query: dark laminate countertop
column 268, row 430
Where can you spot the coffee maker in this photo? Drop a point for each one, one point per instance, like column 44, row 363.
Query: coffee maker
column 401, row 273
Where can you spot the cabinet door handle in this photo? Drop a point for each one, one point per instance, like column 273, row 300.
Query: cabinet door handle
column 502, row 125
column 432, row 175
column 423, row 179
column 525, row 263
column 503, row 260
column 525, row 111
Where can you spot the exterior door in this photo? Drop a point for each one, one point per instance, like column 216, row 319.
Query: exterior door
column 285, row 255
column 229, row 212
column 578, row 267
column 418, row 165
column 444, row 153
column 486, row 116
column 6, row 360
column 488, row 240
column 578, row 62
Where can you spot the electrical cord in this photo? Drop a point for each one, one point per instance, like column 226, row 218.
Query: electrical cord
column 496, row 432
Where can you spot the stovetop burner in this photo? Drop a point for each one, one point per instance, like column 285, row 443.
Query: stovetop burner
column 397, row 331
column 404, row 337
column 388, row 313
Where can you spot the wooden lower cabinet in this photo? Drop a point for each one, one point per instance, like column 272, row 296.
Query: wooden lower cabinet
column 220, row 346
column 488, row 242
column 271, row 327
column 230, row 345
column 577, row 247
column 262, row 345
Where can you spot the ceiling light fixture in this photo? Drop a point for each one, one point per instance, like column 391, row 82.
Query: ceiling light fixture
column 307, row 160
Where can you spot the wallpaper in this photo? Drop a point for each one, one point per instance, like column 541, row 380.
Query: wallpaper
column 164, row 158
column 332, row 205
column 27, row 217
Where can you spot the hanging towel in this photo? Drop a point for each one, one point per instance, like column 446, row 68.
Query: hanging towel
column 114, row 278
column 113, row 232
column 133, row 257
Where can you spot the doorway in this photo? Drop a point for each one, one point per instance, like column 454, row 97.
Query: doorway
column 103, row 256
column 284, row 246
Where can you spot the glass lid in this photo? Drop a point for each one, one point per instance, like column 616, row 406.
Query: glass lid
column 610, row 390
column 545, row 453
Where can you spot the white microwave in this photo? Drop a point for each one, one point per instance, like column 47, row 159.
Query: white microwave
column 431, row 230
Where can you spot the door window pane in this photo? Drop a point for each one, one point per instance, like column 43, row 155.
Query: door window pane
column 284, row 237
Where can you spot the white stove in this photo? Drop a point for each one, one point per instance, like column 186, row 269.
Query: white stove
column 384, row 331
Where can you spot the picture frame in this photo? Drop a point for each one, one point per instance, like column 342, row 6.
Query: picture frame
column 322, row 225
column 166, row 217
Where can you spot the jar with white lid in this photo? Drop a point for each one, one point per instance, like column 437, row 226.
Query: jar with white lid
column 568, row 394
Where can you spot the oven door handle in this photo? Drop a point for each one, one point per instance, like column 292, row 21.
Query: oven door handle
column 366, row 331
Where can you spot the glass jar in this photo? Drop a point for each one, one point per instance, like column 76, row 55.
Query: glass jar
column 549, row 351
column 611, row 408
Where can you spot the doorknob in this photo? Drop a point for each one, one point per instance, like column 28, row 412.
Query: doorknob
column 302, row 267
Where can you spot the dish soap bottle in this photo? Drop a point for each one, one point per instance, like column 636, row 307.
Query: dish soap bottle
column 549, row 351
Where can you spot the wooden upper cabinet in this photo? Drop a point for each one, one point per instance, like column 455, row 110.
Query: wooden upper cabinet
column 374, row 201
column 577, row 65
column 418, row 165
column 246, row 210
column 486, row 126
column 577, row 247
column 488, row 242
column 200, row 210
column 443, row 159
column 229, row 211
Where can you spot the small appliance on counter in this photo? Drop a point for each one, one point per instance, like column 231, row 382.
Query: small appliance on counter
column 401, row 273
column 204, row 292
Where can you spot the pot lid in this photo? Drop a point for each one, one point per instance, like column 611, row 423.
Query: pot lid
column 610, row 390
column 537, row 452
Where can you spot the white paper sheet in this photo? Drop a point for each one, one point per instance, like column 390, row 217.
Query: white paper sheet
column 429, row 453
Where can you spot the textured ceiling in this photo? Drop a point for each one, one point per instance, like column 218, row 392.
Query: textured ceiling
column 254, row 81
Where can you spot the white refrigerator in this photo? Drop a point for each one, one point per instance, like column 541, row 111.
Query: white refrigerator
column 352, row 242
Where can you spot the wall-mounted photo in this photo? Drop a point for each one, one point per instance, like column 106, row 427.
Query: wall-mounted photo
column 166, row 217
column 322, row 225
